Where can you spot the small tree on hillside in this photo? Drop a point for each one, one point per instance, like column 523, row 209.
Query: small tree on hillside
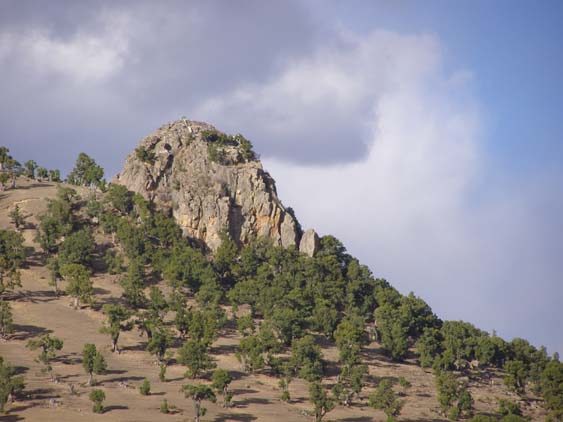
column 12, row 256
column 199, row 393
column 9, row 384
column 30, row 167
column 42, row 173
column 97, row 396
column 6, row 320
column 93, row 362
column 86, row 172
column 194, row 354
column 54, row 267
column 116, row 316
column 17, row 218
column 221, row 380
column 384, row 398
column 319, row 398
column 80, row 286
column 48, row 347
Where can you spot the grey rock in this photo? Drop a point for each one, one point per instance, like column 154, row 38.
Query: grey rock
column 310, row 243
column 207, row 197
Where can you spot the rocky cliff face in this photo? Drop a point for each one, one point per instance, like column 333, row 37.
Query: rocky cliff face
column 209, row 182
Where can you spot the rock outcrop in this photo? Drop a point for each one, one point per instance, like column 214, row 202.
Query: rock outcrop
column 209, row 182
column 309, row 243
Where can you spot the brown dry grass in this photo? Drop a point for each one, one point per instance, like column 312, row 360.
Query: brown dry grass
column 38, row 311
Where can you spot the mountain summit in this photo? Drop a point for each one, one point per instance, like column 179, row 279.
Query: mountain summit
column 211, row 182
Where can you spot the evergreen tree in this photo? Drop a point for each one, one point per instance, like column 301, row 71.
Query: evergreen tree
column 98, row 397
column 9, row 383
column 195, row 355
column 80, row 286
column 6, row 320
column 384, row 398
column 221, row 380
column 117, row 316
column 319, row 398
column 93, row 362
column 48, row 347
column 198, row 393
column 17, row 218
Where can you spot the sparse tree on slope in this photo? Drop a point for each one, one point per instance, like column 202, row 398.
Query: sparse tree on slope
column 320, row 399
column 48, row 347
column 9, row 384
column 17, row 218
column 116, row 316
column 199, row 393
column 6, row 320
column 93, row 362
column 79, row 284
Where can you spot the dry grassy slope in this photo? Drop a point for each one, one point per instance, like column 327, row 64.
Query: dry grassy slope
column 38, row 311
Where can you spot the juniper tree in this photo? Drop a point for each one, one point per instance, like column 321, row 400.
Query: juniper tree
column 53, row 264
column 9, row 383
column 30, row 167
column 195, row 355
column 320, row 399
column 384, row 398
column 48, row 347
column 117, row 316
column 6, row 320
column 80, row 286
column 86, row 172
column 12, row 256
column 17, row 218
column 97, row 396
column 221, row 380
column 198, row 393
column 93, row 362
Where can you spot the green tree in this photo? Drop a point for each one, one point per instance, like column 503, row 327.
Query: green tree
column 98, row 397
column 55, row 175
column 133, row 284
column 145, row 388
column 160, row 341
column 306, row 359
column 508, row 407
column 385, row 399
column 80, row 286
column 349, row 336
column 117, row 316
column 12, row 256
column 53, row 264
column 516, row 374
column 93, row 362
column 17, row 218
column 120, row 199
column 86, row 172
column 220, row 382
column 453, row 396
column 551, row 386
column 195, row 355
column 320, row 400
column 113, row 261
column 6, row 320
column 77, row 248
column 9, row 384
column 144, row 155
column 393, row 331
column 199, row 393
column 48, row 347
column 30, row 167
column 42, row 173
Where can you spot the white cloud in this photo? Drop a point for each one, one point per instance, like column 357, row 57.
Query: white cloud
column 82, row 58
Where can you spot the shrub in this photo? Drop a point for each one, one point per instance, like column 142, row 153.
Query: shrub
column 145, row 387
column 98, row 396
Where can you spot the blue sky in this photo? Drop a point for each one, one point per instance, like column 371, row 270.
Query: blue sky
column 425, row 135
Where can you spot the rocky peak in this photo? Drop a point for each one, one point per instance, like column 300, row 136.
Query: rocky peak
column 209, row 182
